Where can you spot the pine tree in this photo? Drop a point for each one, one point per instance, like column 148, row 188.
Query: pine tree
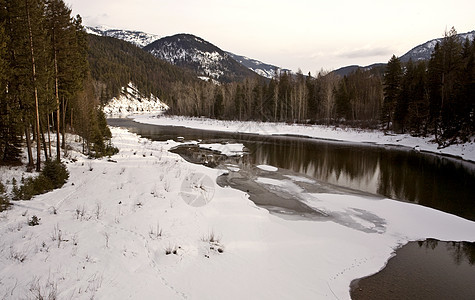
column 342, row 100
column 58, row 18
column 466, row 97
column 9, row 142
column 418, row 108
column 23, row 21
column 404, row 98
column 445, row 67
column 34, row 12
column 392, row 89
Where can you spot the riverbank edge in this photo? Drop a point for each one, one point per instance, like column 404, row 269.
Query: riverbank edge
column 465, row 152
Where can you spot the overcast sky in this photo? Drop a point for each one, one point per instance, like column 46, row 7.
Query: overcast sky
column 305, row 34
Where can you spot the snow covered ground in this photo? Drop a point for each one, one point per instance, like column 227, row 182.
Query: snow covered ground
column 116, row 219
column 464, row 151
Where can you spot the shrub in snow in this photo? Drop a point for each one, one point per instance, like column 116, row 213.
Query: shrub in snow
column 53, row 176
column 56, row 172
column 4, row 201
column 214, row 242
column 34, row 221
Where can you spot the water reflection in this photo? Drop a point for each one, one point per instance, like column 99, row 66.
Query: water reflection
column 428, row 269
column 439, row 182
column 461, row 252
column 430, row 180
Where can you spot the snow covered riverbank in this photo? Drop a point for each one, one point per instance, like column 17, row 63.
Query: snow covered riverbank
column 464, row 151
column 116, row 219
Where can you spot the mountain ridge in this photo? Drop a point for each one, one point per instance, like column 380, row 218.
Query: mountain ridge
column 138, row 38
column 142, row 40
column 420, row 52
column 201, row 62
column 200, row 56
column 424, row 50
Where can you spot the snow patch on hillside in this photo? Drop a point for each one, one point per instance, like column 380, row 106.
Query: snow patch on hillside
column 208, row 62
column 257, row 66
column 138, row 38
column 424, row 51
column 132, row 101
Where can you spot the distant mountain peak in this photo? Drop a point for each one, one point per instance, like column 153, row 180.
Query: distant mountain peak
column 202, row 57
column 420, row 52
column 138, row 38
column 424, row 51
column 263, row 69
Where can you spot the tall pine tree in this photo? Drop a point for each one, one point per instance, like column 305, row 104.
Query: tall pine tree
column 392, row 89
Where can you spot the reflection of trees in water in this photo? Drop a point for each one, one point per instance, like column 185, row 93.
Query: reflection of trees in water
column 318, row 160
column 404, row 175
column 428, row 180
column 458, row 250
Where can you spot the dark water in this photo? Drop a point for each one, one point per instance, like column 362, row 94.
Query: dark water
column 444, row 183
column 428, row 269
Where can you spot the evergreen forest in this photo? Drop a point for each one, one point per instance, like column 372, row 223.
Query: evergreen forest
column 420, row 98
column 46, row 83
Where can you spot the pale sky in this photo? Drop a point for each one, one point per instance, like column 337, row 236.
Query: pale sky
column 305, row 34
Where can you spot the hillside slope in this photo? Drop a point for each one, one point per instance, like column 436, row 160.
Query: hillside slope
column 114, row 63
column 199, row 56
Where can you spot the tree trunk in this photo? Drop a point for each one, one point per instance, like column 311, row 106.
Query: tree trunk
column 71, row 126
column 37, row 112
column 63, row 132
column 28, row 145
column 45, row 149
column 58, row 145
column 49, row 137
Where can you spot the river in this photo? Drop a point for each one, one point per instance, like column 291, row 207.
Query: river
column 443, row 183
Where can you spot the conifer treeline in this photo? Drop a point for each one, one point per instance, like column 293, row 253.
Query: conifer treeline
column 437, row 97
column 420, row 98
column 44, row 80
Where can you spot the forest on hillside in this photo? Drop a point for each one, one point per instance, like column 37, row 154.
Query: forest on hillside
column 114, row 63
column 45, row 81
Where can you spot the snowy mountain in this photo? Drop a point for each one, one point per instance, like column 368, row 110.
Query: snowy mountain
column 204, row 58
column 200, row 56
column 424, row 51
column 263, row 69
column 131, row 101
column 138, row 38
column 421, row 52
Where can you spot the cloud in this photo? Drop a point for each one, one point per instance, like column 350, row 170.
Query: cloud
column 94, row 20
column 365, row 52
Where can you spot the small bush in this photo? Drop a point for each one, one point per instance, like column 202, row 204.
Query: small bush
column 53, row 176
column 34, row 221
column 56, row 172
column 4, row 202
column 111, row 150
